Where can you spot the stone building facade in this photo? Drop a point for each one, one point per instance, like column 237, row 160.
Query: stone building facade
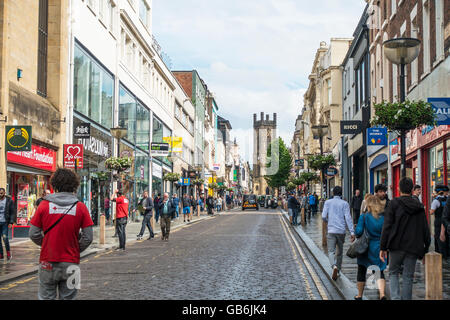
column 264, row 132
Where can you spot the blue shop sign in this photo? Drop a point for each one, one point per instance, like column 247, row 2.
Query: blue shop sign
column 377, row 136
column 441, row 107
column 185, row 181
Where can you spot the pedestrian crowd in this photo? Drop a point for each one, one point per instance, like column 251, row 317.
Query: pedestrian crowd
column 384, row 233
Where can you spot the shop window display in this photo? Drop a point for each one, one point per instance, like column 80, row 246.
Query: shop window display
column 436, row 168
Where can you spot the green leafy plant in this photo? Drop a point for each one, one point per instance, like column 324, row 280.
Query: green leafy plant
column 403, row 115
column 198, row 182
column 102, row 175
column 172, row 177
column 298, row 181
column 118, row 163
column 319, row 162
column 290, row 186
column 213, row 186
column 309, row 176
column 230, row 189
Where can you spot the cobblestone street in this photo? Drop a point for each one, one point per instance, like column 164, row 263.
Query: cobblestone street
column 251, row 255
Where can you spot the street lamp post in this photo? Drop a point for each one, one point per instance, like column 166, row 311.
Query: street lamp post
column 319, row 132
column 118, row 133
column 402, row 51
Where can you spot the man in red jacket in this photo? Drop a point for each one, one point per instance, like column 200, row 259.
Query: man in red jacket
column 56, row 228
column 121, row 216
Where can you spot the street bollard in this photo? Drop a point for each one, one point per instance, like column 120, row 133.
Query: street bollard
column 303, row 218
column 433, row 276
column 152, row 222
column 324, row 234
column 198, row 211
column 102, row 229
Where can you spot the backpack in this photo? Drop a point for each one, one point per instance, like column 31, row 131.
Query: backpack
column 440, row 210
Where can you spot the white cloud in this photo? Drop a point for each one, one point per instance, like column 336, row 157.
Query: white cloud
column 255, row 55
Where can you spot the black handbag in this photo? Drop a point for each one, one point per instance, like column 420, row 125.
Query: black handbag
column 360, row 245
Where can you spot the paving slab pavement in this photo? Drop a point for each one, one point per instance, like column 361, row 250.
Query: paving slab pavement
column 312, row 235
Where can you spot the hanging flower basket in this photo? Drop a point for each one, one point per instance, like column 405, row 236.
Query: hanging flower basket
column 103, row 176
column 320, row 162
column 309, row 176
column 172, row 177
column 298, row 181
column 198, row 182
column 213, row 186
column 118, row 163
column 405, row 115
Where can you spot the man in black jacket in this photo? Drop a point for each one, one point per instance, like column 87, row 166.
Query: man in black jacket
column 7, row 219
column 407, row 238
column 167, row 212
column 147, row 206
column 293, row 206
column 356, row 205
column 445, row 230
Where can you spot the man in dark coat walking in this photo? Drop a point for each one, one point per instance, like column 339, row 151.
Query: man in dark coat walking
column 147, row 206
column 407, row 238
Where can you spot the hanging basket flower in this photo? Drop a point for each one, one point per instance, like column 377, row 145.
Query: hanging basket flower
column 172, row 177
column 405, row 115
column 198, row 182
column 103, row 176
column 290, row 186
column 320, row 162
column 118, row 163
column 213, row 186
column 298, row 181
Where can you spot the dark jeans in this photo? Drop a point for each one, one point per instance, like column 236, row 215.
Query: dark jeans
column 314, row 208
column 294, row 216
column 356, row 214
column 165, row 226
column 405, row 263
column 4, row 234
column 146, row 223
column 107, row 213
column 121, row 224
column 157, row 215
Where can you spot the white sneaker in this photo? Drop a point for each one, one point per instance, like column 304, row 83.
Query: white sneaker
column 335, row 274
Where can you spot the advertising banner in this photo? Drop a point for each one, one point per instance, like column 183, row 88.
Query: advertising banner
column 73, row 153
column 175, row 143
column 22, row 204
column 39, row 158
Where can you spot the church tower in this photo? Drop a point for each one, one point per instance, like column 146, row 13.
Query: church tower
column 264, row 132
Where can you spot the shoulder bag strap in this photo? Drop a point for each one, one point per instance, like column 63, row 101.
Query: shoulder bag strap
column 53, row 225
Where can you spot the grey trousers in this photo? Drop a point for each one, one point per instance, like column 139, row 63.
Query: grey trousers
column 335, row 249
column 54, row 281
column 397, row 259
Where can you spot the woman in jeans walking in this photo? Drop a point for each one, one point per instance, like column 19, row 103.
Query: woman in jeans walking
column 372, row 221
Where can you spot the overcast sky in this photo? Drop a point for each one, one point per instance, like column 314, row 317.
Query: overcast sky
column 254, row 55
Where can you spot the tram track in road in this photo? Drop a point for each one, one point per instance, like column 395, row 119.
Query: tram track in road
column 314, row 276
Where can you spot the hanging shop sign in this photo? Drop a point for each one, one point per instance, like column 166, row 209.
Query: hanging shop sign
column 18, row 138
column 300, row 163
column 39, row 158
column 216, row 167
column 192, row 174
column 82, row 130
column 73, row 156
column 351, row 126
column 185, row 182
column 441, row 107
column 159, row 149
column 377, row 136
column 331, row 171
column 175, row 143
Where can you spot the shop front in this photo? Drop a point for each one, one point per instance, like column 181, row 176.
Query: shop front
column 157, row 174
column 378, row 171
column 28, row 175
column 95, row 179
